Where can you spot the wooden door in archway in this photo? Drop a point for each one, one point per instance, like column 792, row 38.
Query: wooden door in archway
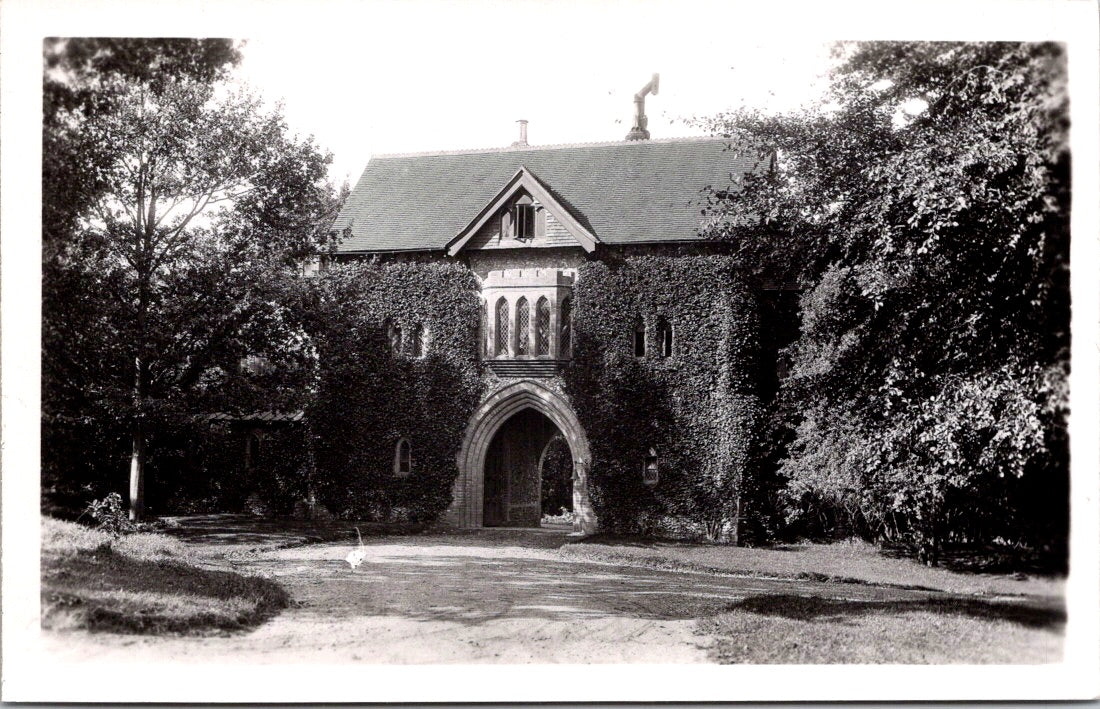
column 513, row 489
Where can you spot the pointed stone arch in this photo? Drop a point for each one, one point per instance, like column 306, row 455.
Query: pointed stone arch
column 467, row 507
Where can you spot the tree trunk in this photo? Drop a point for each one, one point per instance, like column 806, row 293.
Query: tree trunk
column 735, row 532
column 137, row 475
column 137, row 456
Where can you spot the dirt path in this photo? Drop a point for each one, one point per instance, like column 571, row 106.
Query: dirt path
column 489, row 597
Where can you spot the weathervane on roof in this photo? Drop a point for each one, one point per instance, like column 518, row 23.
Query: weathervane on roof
column 639, row 132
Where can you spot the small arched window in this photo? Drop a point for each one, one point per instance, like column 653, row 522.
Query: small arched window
column 502, row 327
column 542, row 327
column 565, row 344
column 393, row 336
column 639, row 338
column 417, row 340
column 402, row 458
column 664, row 337
column 523, row 327
column 650, row 472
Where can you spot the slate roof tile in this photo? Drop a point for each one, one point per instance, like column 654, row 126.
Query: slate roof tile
column 624, row 193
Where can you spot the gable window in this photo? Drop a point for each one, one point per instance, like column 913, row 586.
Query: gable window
column 650, row 472
column 502, row 327
column 639, row 338
column 664, row 337
column 523, row 327
column 542, row 327
column 393, row 336
column 566, row 333
column 402, row 458
column 523, row 221
column 417, row 340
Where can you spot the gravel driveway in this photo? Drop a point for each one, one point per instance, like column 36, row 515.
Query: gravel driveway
column 491, row 596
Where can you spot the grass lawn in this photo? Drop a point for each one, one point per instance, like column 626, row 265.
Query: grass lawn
column 798, row 630
column 143, row 583
column 851, row 561
column 988, row 618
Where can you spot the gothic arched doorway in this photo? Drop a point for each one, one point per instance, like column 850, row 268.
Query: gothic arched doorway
column 468, row 508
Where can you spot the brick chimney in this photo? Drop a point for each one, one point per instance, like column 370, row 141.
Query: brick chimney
column 522, row 142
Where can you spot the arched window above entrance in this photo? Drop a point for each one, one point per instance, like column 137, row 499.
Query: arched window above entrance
column 502, row 327
column 565, row 344
column 542, row 327
column 523, row 327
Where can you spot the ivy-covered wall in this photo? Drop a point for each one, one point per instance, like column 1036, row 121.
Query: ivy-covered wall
column 370, row 397
column 699, row 408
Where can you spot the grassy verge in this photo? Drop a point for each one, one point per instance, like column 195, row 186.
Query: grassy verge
column 787, row 629
column 143, row 583
column 971, row 619
column 844, row 562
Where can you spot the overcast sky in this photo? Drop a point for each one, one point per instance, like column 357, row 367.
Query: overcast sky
column 447, row 76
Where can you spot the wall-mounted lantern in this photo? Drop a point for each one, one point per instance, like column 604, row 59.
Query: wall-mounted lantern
column 650, row 472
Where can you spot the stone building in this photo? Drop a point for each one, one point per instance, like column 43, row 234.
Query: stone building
column 525, row 220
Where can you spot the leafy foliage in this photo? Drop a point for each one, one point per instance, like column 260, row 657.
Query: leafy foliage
column 174, row 213
column 110, row 514
column 698, row 409
column 927, row 201
column 370, row 397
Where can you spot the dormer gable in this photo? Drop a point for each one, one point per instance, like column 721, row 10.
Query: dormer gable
column 519, row 213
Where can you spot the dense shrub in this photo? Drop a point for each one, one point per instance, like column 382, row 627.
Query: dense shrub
column 699, row 409
column 214, row 474
column 924, row 205
column 83, row 458
column 192, row 466
column 370, row 397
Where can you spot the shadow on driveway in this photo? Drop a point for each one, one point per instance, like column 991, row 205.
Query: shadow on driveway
column 833, row 609
column 220, row 530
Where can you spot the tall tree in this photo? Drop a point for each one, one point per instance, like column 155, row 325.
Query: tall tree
column 74, row 67
column 924, row 207
column 190, row 199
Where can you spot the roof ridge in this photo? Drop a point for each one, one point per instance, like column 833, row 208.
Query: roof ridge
column 551, row 146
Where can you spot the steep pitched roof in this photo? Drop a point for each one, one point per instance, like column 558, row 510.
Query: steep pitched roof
column 622, row 193
column 523, row 180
